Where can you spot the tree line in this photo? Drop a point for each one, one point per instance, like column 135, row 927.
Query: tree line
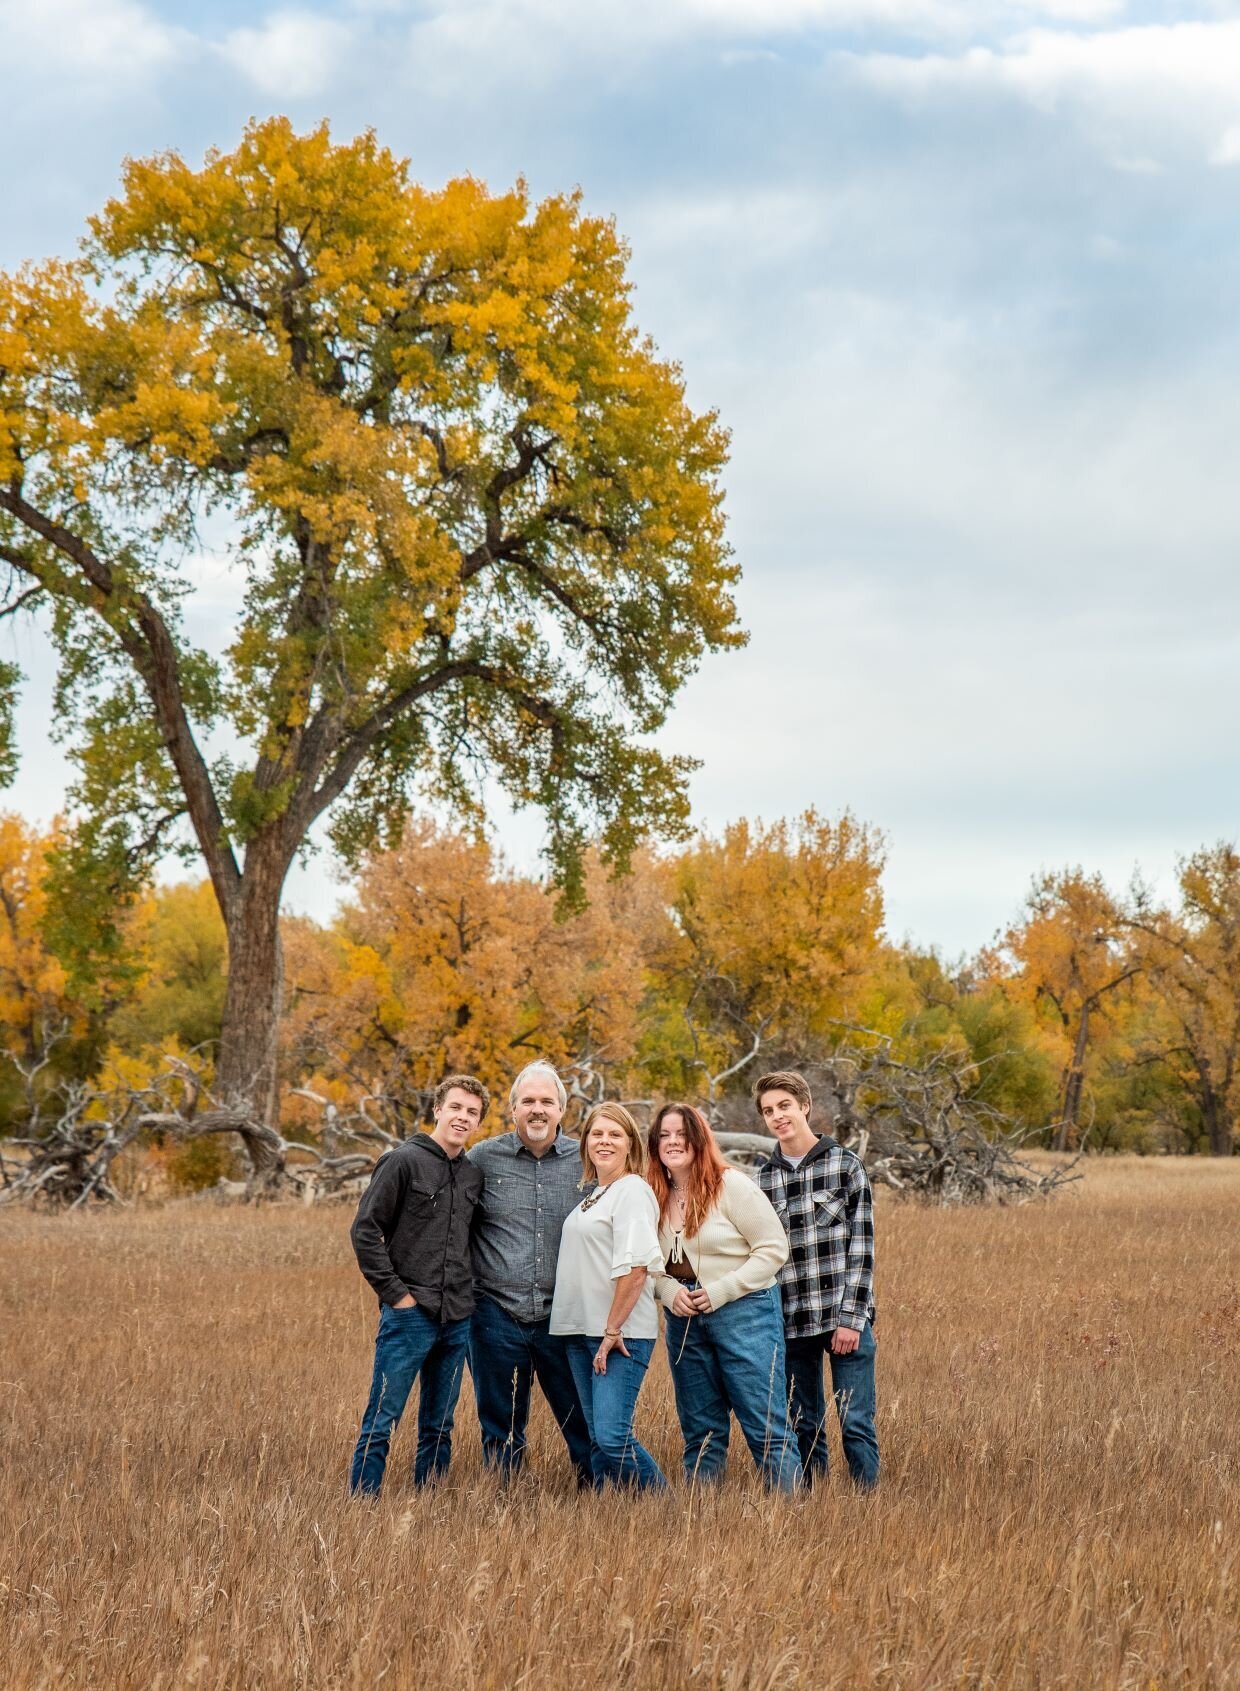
column 1100, row 1018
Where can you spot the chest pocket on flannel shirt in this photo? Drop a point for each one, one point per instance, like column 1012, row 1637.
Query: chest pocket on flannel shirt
column 799, row 1214
column 829, row 1210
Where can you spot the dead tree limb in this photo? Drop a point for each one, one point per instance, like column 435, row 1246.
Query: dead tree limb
column 920, row 1128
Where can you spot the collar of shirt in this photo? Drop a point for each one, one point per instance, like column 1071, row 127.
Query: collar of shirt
column 511, row 1144
column 562, row 1145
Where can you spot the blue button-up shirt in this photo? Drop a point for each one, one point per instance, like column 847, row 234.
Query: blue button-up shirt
column 516, row 1234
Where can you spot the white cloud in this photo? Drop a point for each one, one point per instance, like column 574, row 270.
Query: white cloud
column 765, row 17
column 1177, row 60
column 526, row 43
column 1076, row 11
column 108, row 40
column 291, row 54
column 1178, row 83
column 658, row 20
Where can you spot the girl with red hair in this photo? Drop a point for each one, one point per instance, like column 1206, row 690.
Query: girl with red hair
column 723, row 1247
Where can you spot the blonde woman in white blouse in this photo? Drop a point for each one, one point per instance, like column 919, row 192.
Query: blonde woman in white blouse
column 604, row 1304
column 722, row 1246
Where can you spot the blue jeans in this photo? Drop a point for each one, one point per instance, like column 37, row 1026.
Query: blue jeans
column 852, row 1387
column 409, row 1342
column 608, row 1402
column 506, row 1356
column 732, row 1360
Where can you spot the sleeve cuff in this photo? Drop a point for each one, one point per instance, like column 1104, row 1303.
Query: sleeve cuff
column 653, row 1266
column 666, row 1287
column 721, row 1291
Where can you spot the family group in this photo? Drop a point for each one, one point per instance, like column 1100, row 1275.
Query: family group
column 538, row 1256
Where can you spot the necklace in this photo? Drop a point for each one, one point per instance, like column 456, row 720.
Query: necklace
column 589, row 1203
column 678, row 1228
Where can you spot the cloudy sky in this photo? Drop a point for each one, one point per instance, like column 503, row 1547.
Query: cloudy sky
column 961, row 277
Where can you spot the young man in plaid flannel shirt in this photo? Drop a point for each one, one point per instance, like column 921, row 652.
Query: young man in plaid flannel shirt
column 822, row 1195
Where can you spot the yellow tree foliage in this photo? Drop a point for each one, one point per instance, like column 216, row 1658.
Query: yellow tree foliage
column 34, row 1007
column 776, row 928
column 177, row 942
column 1192, row 961
column 1070, row 959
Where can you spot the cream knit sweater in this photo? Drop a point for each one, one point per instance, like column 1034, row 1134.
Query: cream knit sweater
column 740, row 1247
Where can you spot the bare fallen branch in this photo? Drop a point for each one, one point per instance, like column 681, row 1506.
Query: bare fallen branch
column 919, row 1128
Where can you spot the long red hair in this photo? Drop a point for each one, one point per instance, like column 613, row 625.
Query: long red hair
column 705, row 1172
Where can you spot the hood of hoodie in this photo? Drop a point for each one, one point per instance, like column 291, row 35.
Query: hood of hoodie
column 820, row 1148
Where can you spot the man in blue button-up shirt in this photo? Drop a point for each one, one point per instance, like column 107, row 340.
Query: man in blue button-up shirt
column 531, row 1180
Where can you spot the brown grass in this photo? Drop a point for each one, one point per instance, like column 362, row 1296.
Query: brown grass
column 1058, row 1401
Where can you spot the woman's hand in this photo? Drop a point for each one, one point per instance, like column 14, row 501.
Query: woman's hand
column 682, row 1303
column 701, row 1301
column 611, row 1341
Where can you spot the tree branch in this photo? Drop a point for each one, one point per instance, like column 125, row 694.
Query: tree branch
column 153, row 652
column 1111, row 985
column 22, row 599
column 262, row 440
column 362, row 739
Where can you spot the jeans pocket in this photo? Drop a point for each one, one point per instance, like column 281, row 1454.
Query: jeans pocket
column 400, row 1315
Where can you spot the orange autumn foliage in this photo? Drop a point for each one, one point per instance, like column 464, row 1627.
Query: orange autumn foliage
column 445, row 959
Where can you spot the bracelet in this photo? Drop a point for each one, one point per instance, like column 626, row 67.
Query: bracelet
column 611, row 1332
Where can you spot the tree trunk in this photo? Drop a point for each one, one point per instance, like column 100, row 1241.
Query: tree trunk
column 1073, row 1085
column 1222, row 1135
column 246, row 1072
column 1217, row 1123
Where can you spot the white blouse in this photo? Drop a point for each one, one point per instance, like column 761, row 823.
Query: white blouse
column 617, row 1233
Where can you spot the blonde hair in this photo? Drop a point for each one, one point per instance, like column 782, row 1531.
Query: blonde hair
column 635, row 1159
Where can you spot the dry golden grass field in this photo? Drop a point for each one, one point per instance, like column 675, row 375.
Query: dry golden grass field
column 1059, row 1409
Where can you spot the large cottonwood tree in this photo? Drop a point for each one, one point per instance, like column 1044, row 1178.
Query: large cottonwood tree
column 478, row 530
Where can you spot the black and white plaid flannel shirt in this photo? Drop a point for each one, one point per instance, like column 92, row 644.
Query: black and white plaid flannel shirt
column 827, row 1209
